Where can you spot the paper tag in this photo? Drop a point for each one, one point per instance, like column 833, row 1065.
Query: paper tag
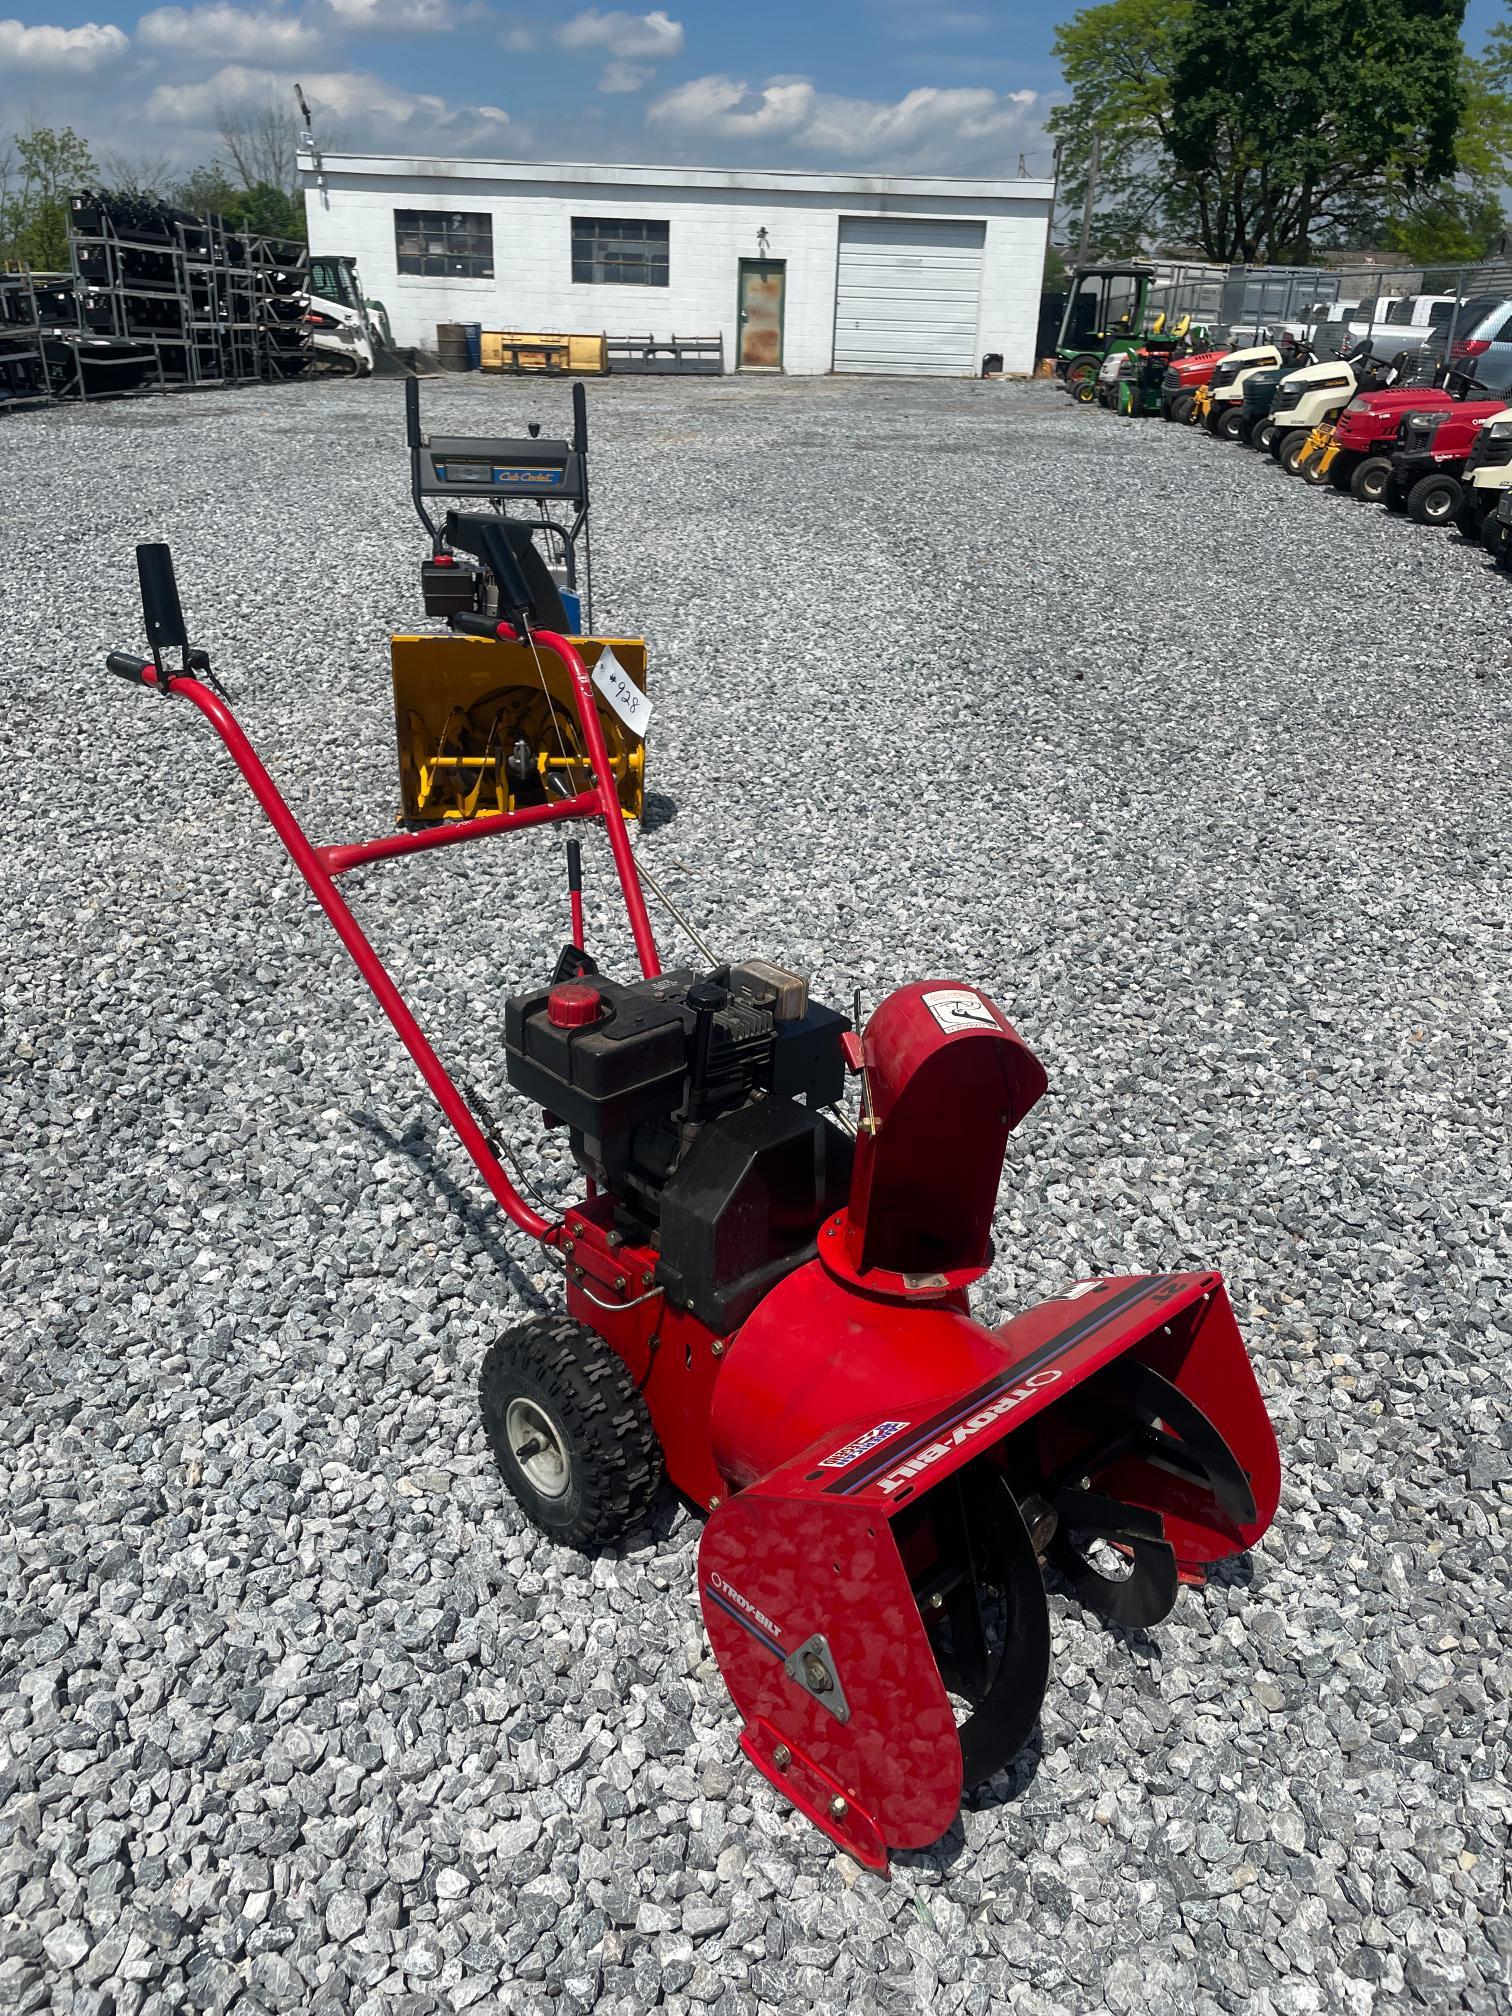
column 622, row 693
column 959, row 1008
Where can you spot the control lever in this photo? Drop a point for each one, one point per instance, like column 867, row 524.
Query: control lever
column 163, row 614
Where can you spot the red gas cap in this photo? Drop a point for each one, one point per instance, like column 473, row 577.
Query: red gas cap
column 573, row 1005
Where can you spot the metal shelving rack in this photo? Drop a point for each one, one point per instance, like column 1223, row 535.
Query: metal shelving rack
column 23, row 359
column 196, row 301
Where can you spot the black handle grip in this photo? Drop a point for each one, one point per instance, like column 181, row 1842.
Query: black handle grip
column 126, row 666
column 579, row 418
column 468, row 623
column 575, row 867
column 412, row 411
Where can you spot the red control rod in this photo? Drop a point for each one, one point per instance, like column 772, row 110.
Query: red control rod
column 320, row 877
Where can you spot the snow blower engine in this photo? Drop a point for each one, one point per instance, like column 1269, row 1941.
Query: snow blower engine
column 500, row 733
column 767, row 1279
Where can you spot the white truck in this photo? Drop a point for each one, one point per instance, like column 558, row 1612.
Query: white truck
column 1402, row 324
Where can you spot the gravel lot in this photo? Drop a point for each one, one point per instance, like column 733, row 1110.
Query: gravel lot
column 1202, row 774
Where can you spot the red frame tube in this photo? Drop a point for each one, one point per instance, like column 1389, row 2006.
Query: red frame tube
column 337, row 860
column 604, row 785
column 367, row 962
column 321, row 865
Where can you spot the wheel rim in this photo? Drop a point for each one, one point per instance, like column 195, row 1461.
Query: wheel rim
column 1438, row 505
column 538, row 1446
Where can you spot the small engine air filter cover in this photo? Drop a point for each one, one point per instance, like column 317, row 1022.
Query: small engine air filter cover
column 573, row 1005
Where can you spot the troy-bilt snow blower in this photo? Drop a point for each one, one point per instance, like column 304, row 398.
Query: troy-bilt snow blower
column 768, row 1300
column 496, row 731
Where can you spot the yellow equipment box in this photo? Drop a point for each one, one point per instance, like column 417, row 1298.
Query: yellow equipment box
column 510, row 350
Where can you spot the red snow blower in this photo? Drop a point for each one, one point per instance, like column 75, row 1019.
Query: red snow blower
column 768, row 1300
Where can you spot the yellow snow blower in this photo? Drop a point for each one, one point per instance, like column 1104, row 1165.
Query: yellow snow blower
column 484, row 729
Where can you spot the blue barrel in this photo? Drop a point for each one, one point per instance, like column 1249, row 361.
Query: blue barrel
column 473, row 331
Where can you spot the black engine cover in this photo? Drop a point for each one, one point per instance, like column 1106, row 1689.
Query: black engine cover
column 744, row 1204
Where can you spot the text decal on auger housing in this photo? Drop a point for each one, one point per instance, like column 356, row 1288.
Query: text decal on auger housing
column 963, row 1432
column 862, row 1445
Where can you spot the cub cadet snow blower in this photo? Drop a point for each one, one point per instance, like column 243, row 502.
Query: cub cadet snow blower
column 496, row 732
column 767, row 1300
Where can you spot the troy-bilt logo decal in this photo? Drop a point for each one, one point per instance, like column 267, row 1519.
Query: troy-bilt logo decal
column 862, row 1445
column 728, row 1594
column 965, row 1430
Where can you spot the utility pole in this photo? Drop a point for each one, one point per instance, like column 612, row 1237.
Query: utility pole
column 1086, row 231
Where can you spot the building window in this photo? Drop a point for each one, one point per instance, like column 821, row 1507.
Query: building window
column 620, row 251
column 455, row 244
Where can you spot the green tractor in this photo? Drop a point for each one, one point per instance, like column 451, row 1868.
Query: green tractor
column 1106, row 312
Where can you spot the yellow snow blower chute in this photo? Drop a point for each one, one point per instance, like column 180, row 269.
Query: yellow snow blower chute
column 489, row 729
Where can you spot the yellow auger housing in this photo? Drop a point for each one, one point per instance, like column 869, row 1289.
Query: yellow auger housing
column 485, row 728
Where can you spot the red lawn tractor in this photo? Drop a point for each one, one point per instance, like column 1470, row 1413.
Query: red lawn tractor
column 1358, row 456
column 766, row 1276
column 1428, row 460
column 1179, row 387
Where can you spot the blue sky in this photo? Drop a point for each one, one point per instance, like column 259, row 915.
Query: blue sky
column 828, row 84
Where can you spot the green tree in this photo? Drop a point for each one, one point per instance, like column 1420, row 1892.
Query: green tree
column 1117, row 60
column 1286, row 115
column 45, row 165
column 264, row 209
column 1261, row 132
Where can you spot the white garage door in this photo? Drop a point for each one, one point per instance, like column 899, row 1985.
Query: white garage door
column 906, row 296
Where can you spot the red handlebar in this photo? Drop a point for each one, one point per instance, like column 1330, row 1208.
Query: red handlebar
column 320, row 867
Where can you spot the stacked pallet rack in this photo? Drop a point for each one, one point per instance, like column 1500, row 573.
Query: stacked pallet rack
column 213, row 305
column 280, row 268
column 23, row 362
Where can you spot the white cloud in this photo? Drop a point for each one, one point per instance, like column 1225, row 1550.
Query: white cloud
column 88, row 47
column 913, row 23
column 388, row 17
column 625, row 77
column 649, row 37
column 369, row 113
column 217, row 30
column 961, row 131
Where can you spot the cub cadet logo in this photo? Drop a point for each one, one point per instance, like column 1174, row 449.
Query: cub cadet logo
column 843, row 1458
column 972, row 1425
column 733, row 1595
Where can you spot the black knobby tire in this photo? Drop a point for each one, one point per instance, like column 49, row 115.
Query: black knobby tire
column 1395, row 495
column 1497, row 539
column 1341, row 471
column 1288, row 454
column 554, row 1379
column 1468, row 517
column 1367, row 483
column 1262, row 436
column 1181, row 408
column 1434, row 500
column 1230, row 419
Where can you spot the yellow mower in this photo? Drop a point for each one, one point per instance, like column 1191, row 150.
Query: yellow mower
column 485, row 728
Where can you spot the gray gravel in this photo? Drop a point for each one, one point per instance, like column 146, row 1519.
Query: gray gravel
column 1202, row 774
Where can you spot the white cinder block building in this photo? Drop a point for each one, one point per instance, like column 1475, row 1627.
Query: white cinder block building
column 798, row 272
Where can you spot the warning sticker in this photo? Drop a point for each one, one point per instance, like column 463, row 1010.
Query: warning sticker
column 960, row 1008
column 622, row 693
